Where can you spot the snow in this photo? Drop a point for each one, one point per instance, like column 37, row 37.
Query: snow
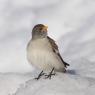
column 79, row 81
column 71, row 24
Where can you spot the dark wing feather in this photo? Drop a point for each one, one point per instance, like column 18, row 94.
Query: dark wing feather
column 55, row 50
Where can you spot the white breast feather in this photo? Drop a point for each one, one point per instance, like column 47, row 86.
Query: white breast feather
column 40, row 54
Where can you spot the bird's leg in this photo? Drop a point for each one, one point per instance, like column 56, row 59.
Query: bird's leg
column 64, row 71
column 39, row 76
column 50, row 74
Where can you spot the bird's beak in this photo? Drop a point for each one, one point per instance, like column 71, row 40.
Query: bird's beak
column 46, row 27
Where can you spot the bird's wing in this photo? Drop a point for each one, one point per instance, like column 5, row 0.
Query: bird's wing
column 55, row 50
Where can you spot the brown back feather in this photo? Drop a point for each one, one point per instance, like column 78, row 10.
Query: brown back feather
column 55, row 50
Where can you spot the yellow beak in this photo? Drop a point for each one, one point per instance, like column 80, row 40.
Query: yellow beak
column 46, row 27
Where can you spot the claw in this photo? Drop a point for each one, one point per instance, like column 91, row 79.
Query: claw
column 39, row 76
column 50, row 74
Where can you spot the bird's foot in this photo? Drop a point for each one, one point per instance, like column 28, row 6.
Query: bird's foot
column 50, row 74
column 39, row 76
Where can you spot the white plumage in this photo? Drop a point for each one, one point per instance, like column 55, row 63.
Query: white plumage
column 41, row 55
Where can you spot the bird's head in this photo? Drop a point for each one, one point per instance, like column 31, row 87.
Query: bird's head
column 39, row 31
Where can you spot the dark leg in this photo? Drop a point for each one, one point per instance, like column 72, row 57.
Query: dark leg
column 39, row 76
column 64, row 71
column 50, row 74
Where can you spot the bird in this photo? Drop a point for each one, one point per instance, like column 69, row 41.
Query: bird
column 43, row 52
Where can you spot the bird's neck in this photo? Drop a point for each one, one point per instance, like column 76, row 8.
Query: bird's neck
column 38, row 37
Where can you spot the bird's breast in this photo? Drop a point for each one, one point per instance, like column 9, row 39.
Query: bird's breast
column 40, row 44
column 39, row 52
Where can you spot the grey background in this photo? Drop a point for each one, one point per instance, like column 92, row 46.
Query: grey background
column 71, row 23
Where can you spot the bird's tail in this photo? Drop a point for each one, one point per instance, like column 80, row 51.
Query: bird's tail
column 66, row 64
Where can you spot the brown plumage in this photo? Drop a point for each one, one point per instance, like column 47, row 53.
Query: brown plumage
column 55, row 50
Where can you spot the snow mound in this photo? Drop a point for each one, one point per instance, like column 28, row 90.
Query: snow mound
column 79, row 80
column 61, row 84
column 10, row 82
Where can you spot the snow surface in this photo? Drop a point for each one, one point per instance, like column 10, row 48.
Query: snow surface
column 71, row 23
column 79, row 80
